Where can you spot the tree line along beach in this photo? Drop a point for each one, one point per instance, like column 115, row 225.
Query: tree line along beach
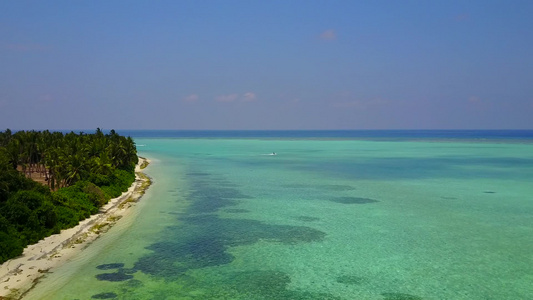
column 58, row 191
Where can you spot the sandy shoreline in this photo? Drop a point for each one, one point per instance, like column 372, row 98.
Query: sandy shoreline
column 19, row 275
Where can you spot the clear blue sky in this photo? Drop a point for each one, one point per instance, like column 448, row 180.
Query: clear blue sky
column 266, row 64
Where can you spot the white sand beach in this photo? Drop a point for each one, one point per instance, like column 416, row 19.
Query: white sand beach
column 19, row 275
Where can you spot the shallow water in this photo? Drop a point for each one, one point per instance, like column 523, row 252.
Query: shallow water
column 322, row 219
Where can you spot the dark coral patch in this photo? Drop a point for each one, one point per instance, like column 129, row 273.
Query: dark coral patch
column 203, row 242
column 349, row 279
column 118, row 276
column 110, row 266
column 268, row 284
column 353, row 200
column 399, row 296
column 104, row 296
column 203, row 238
column 156, row 264
column 236, row 210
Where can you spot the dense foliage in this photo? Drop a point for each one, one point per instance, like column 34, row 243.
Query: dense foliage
column 78, row 172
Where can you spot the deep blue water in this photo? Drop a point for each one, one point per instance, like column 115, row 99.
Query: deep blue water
column 336, row 134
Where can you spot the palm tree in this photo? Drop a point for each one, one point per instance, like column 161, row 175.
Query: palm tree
column 64, row 159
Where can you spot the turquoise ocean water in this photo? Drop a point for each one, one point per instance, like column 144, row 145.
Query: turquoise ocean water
column 338, row 215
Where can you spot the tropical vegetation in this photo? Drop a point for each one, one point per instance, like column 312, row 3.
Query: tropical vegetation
column 51, row 181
